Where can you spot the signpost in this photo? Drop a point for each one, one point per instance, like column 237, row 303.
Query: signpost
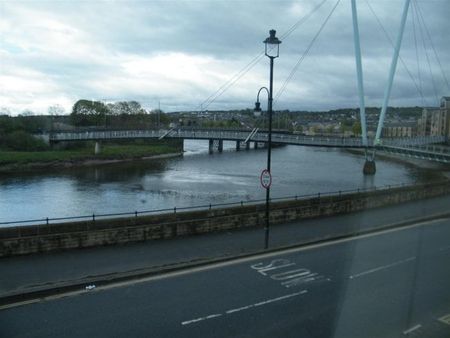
column 266, row 179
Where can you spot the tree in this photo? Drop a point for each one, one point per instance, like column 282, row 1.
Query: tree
column 356, row 128
column 5, row 111
column 27, row 112
column 125, row 107
column 135, row 107
column 88, row 113
column 55, row 110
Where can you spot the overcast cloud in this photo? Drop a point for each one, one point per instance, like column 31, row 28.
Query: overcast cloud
column 178, row 53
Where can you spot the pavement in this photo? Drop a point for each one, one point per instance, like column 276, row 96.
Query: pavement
column 24, row 274
column 392, row 283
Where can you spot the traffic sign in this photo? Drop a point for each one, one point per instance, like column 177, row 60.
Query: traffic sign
column 266, row 179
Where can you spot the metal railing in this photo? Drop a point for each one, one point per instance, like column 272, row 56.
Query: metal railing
column 413, row 141
column 419, row 152
column 240, row 135
column 229, row 135
column 94, row 217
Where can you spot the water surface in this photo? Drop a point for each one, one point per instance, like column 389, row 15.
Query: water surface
column 196, row 178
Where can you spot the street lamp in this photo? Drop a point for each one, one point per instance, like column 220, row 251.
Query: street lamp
column 272, row 49
column 257, row 111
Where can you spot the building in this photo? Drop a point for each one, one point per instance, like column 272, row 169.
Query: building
column 435, row 121
column 424, row 122
column 440, row 119
column 445, row 107
column 400, row 129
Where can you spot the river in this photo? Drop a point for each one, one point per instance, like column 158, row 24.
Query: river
column 196, row 178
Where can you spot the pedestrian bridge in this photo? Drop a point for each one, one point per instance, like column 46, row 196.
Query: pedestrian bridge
column 413, row 146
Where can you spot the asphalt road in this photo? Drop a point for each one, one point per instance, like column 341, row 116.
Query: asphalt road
column 391, row 284
column 22, row 273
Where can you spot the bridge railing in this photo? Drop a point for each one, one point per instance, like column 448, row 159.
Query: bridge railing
column 93, row 217
column 413, row 141
column 241, row 135
column 311, row 140
column 237, row 135
column 105, row 134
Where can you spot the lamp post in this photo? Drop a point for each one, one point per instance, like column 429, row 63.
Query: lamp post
column 272, row 48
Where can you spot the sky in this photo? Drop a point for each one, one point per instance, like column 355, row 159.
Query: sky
column 181, row 55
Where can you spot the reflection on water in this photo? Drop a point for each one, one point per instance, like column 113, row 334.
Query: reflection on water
column 194, row 179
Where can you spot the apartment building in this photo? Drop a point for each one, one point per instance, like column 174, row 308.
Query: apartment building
column 435, row 121
column 424, row 122
column 399, row 130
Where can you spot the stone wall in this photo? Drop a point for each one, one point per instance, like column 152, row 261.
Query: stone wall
column 44, row 238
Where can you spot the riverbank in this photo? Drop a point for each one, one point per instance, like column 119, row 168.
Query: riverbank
column 18, row 161
column 97, row 232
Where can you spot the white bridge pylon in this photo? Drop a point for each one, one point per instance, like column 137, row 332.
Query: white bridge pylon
column 362, row 106
column 392, row 69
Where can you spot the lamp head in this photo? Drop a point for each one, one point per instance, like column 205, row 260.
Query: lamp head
column 257, row 107
column 272, row 44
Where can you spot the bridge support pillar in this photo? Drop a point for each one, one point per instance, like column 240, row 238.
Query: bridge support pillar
column 238, row 145
column 256, row 145
column 369, row 166
column 97, row 148
column 211, row 146
column 220, row 147
column 247, row 145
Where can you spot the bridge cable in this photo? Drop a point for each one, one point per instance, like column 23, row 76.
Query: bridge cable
column 422, row 39
column 419, row 11
column 301, row 21
column 222, row 89
column 255, row 60
column 428, row 59
column 400, row 57
column 419, row 75
column 305, row 53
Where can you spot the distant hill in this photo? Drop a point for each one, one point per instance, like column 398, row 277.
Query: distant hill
column 401, row 111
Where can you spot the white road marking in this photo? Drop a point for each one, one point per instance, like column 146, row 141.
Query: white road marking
column 414, row 328
column 313, row 277
column 382, row 267
column 291, row 274
column 265, row 302
column 212, row 266
column 275, row 264
column 280, row 298
column 445, row 319
column 201, row 318
column 239, row 309
column 306, row 247
column 290, row 278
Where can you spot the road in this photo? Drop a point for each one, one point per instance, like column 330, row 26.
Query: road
column 389, row 284
column 22, row 273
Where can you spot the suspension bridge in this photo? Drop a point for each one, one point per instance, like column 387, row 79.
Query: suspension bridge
column 420, row 147
column 424, row 147
column 409, row 147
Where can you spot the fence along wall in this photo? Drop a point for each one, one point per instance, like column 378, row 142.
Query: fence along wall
column 45, row 238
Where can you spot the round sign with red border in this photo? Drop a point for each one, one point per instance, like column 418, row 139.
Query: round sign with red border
column 266, row 179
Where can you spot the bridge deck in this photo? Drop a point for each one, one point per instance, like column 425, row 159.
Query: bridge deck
column 405, row 146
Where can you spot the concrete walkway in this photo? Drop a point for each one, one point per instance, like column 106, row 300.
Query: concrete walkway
column 24, row 273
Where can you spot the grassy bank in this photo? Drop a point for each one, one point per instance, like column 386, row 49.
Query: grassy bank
column 107, row 153
column 83, row 155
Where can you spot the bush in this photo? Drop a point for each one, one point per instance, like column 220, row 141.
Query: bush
column 22, row 141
